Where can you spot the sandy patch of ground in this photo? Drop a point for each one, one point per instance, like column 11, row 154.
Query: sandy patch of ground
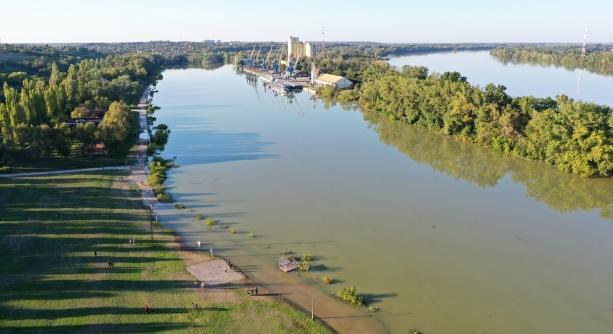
column 215, row 272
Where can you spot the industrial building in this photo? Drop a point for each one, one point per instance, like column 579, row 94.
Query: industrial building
column 336, row 81
column 297, row 49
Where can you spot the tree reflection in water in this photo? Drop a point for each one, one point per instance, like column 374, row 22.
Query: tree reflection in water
column 560, row 191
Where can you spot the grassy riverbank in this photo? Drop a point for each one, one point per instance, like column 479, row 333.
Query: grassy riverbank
column 52, row 281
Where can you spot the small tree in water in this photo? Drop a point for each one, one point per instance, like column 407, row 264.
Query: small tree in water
column 349, row 295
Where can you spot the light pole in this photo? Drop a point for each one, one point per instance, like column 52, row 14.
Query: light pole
column 312, row 307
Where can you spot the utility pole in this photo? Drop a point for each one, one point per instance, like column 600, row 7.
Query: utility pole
column 323, row 38
column 312, row 307
column 584, row 48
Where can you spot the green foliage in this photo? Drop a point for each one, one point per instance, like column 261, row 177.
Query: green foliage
column 158, row 173
column 116, row 126
column 180, row 206
column 305, row 263
column 573, row 136
column 159, row 138
column 164, row 197
column 34, row 109
column 349, row 295
column 209, row 221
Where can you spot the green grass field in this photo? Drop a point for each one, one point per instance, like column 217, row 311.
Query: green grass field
column 51, row 282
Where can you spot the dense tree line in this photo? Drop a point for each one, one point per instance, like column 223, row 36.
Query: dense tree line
column 34, row 115
column 18, row 62
column 573, row 136
column 597, row 61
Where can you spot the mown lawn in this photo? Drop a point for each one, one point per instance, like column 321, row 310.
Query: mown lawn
column 51, row 281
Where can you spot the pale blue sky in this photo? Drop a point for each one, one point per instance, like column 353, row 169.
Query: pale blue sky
column 380, row 20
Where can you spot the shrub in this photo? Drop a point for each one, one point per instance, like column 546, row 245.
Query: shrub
column 209, row 221
column 327, row 280
column 233, row 231
column 305, row 264
column 180, row 206
column 349, row 295
column 199, row 217
column 251, row 235
column 164, row 198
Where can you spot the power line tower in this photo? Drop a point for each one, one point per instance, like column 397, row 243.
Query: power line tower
column 584, row 47
column 323, row 38
column 583, row 53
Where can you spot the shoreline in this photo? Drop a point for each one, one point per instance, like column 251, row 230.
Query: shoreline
column 332, row 313
column 329, row 311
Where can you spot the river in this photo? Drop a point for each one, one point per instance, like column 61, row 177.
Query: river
column 441, row 236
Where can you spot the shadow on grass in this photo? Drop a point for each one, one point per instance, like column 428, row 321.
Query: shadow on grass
column 101, row 328
column 50, row 228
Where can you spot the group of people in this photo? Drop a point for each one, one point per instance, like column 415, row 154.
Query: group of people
column 132, row 241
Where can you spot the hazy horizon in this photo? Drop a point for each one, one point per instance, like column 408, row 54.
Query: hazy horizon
column 385, row 21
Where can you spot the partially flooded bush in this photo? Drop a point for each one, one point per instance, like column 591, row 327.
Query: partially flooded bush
column 326, row 280
column 349, row 295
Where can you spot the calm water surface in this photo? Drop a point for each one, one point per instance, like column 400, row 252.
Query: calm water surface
column 444, row 237
column 480, row 68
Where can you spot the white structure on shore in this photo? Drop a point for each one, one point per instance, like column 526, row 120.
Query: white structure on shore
column 336, row 81
column 297, row 49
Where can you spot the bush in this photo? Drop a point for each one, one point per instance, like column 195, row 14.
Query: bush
column 327, row 280
column 164, row 198
column 209, row 221
column 180, row 206
column 349, row 295
column 305, row 264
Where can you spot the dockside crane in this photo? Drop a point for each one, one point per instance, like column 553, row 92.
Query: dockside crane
column 264, row 64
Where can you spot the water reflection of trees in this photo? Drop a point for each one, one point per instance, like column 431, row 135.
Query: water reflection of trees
column 560, row 191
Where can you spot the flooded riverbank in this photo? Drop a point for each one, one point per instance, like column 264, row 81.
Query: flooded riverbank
column 441, row 236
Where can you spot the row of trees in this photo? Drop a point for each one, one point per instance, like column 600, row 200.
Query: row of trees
column 573, row 136
column 600, row 61
column 33, row 115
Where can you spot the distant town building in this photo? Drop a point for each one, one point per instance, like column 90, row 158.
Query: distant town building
column 297, row 49
column 336, row 81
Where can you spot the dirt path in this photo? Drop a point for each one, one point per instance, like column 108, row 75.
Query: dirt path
column 64, row 171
